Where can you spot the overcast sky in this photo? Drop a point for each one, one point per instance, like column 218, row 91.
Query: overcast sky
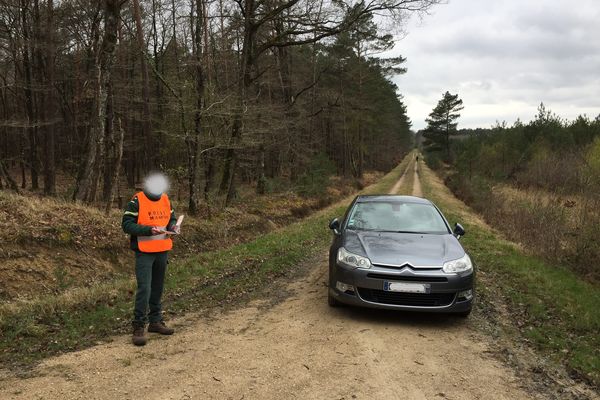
column 503, row 58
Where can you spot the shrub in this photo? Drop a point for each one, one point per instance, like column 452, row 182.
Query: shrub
column 276, row 185
column 434, row 160
column 591, row 169
column 585, row 247
column 553, row 171
column 314, row 181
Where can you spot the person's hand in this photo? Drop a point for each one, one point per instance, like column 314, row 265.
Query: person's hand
column 156, row 230
column 177, row 229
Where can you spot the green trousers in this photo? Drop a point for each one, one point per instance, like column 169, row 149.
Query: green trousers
column 150, row 269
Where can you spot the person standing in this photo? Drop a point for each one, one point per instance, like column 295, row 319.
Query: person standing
column 146, row 219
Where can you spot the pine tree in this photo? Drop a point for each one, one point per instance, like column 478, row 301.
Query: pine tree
column 442, row 123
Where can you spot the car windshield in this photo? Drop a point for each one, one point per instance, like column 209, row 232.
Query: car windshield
column 397, row 217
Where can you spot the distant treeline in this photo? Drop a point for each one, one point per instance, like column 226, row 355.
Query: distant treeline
column 213, row 92
column 539, row 182
column 548, row 152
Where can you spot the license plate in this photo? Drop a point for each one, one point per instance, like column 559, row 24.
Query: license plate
column 405, row 287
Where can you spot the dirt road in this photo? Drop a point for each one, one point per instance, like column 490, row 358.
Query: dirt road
column 298, row 348
column 401, row 181
column 416, row 190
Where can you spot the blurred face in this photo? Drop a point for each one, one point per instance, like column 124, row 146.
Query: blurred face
column 156, row 184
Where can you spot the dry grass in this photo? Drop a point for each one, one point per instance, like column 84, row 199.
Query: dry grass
column 550, row 308
column 403, row 184
column 31, row 329
column 556, row 227
column 51, row 246
column 466, row 214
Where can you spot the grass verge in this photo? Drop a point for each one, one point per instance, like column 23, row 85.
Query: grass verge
column 33, row 330
column 551, row 307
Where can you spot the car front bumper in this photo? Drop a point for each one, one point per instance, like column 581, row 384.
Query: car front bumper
column 442, row 296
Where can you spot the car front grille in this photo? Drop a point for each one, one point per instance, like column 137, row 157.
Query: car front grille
column 408, row 278
column 406, row 299
column 401, row 267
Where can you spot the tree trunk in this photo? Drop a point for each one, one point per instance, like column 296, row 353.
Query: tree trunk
column 244, row 82
column 50, row 106
column 31, row 125
column 285, row 81
column 261, row 184
column 40, row 82
column 157, row 66
column 195, row 143
column 359, row 128
column 109, row 145
column 209, row 175
column 117, row 156
column 146, row 137
column 10, row 182
column 85, row 189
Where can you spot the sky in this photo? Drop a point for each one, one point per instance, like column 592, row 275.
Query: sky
column 503, row 58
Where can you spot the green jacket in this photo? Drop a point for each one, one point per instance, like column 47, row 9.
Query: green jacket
column 130, row 218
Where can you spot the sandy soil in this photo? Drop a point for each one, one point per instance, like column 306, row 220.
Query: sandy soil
column 297, row 348
column 400, row 183
column 417, row 182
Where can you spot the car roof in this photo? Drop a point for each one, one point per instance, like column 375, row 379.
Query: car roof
column 392, row 198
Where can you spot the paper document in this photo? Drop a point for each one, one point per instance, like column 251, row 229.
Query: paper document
column 178, row 224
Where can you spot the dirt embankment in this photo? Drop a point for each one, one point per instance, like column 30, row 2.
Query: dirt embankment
column 50, row 245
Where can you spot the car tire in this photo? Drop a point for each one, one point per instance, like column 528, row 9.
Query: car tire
column 464, row 314
column 332, row 301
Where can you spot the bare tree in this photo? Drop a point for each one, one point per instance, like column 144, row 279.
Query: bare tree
column 85, row 189
column 218, row 93
column 31, row 123
column 295, row 26
column 147, row 159
column 194, row 142
column 48, row 99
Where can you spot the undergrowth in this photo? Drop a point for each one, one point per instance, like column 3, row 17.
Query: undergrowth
column 78, row 318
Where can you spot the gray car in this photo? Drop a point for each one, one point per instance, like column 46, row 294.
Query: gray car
column 398, row 252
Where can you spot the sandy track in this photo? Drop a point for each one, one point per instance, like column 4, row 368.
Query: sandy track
column 417, row 191
column 400, row 182
column 299, row 348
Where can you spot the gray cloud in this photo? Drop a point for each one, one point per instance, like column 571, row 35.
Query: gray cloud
column 504, row 58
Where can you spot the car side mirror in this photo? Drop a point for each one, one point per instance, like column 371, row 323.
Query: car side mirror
column 334, row 225
column 459, row 230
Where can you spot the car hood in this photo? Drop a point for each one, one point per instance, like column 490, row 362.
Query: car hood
column 391, row 248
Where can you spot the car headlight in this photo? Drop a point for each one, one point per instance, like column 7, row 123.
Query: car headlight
column 463, row 264
column 352, row 260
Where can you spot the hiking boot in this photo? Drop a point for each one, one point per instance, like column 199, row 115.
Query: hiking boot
column 139, row 338
column 160, row 327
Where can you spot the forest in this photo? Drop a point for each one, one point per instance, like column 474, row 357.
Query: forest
column 541, row 176
column 268, row 117
column 216, row 93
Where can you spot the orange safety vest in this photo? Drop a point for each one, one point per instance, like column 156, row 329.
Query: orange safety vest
column 154, row 213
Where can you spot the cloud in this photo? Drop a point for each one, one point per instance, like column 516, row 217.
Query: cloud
column 503, row 59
